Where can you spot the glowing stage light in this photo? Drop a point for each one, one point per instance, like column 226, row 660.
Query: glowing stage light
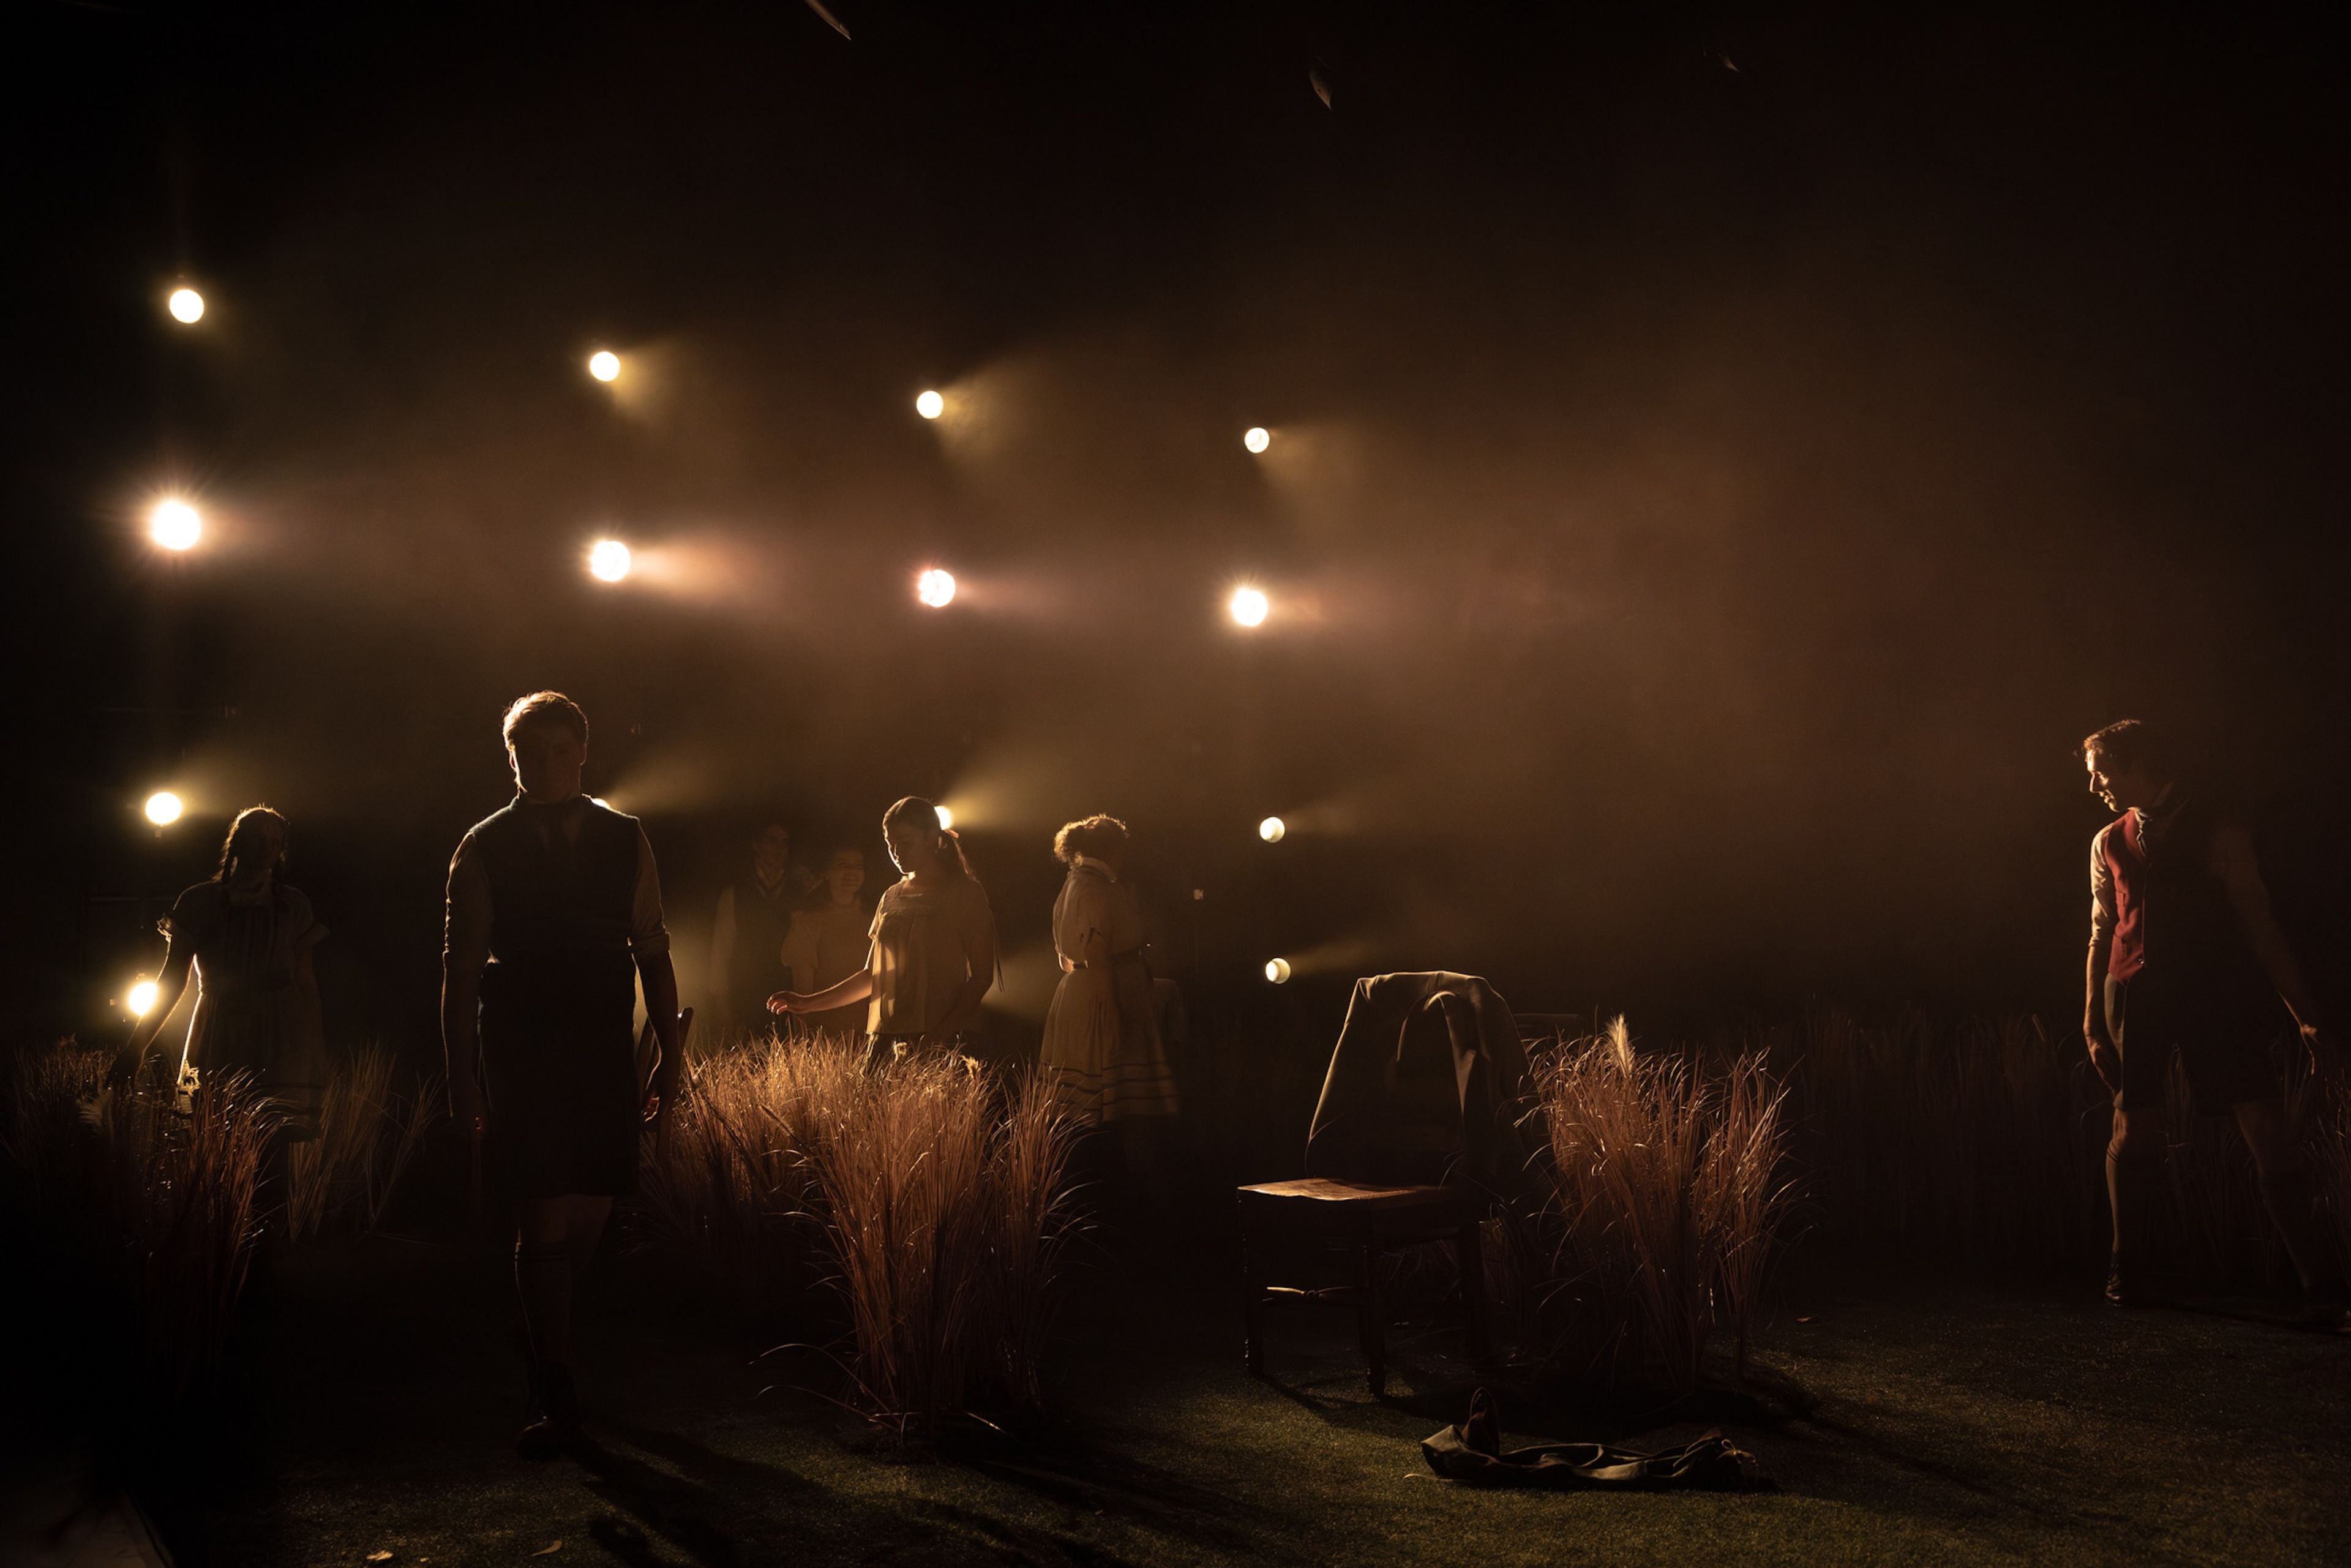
column 1258, row 438
column 947, row 817
column 140, row 997
column 604, row 365
column 174, row 524
column 1272, row 829
column 164, row 808
column 1249, row 606
column 1278, row 970
column 935, row 588
column 608, row 561
column 187, row 307
column 930, row 405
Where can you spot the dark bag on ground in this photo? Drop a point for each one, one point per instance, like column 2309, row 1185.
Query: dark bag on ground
column 1473, row 1452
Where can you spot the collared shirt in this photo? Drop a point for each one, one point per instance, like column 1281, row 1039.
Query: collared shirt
column 2150, row 823
column 466, row 942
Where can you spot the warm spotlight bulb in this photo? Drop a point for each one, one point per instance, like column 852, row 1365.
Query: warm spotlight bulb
column 140, row 997
column 187, row 307
column 1258, row 438
column 174, row 524
column 1276, row 970
column 1249, row 606
column 947, row 817
column 930, row 405
column 604, row 365
column 935, row 588
column 608, row 561
column 164, row 808
column 1272, row 829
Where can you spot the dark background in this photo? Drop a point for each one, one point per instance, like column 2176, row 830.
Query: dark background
column 1725, row 458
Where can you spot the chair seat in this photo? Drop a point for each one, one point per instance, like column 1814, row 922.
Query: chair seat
column 1311, row 1195
column 1372, row 1217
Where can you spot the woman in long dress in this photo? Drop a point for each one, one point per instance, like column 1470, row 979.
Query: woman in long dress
column 1101, row 1046
column 248, row 937
column 932, row 952
column 830, row 943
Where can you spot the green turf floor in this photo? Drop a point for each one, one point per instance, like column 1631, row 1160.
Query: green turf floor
column 375, row 1396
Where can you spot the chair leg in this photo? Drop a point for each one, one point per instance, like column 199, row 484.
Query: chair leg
column 1470, row 1248
column 1253, row 1307
column 1370, row 1322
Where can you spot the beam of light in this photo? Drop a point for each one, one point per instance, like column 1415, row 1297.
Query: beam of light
column 174, row 524
column 1278, row 970
column 140, row 997
column 930, row 405
column 1272, row 829
column 935, row 588
column 608, row 561
column 604, row 365
column 1249, row 606
column 164, row 808
column 947, row 817
column 187, row 307
column 1257, row 438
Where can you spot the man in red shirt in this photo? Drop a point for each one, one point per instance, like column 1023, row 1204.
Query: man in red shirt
column 2186, row 956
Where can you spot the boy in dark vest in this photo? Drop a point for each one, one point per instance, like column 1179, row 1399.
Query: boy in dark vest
column 2186, row 956
column 754, row 915
column 554, row 918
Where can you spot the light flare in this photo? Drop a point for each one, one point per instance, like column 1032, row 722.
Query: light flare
column 164, row 808
column 174, row 524
column 935, row 587
column 608, row 561
column 187, row 307
column 1249, row 607
column 604, row 365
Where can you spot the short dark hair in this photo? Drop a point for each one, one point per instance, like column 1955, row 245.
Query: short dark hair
column 549, row 706
column 1092, row 835
column 2128, row 743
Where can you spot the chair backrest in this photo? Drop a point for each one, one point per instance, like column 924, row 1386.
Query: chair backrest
column 1424, row 1085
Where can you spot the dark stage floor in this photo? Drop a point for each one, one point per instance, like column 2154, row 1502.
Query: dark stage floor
column 1915, row 1423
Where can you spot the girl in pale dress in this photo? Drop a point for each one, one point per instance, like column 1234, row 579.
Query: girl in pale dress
column 1102, row 1047
column 830, row 943
column 932, row 955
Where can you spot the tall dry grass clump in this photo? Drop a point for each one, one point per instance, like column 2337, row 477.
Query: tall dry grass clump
column 159, row 1200
column 727, row 1184
column 1668, row 1195
column 368, row 1137
column 934, row 1194
column 946, row 1197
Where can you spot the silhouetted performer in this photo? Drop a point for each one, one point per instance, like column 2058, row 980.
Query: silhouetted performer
column 2181, row 943
column 746, row 940
column 932, row 955
column 829, row 942
column 555, row 916
column 250, row 938
column 1102, row 1047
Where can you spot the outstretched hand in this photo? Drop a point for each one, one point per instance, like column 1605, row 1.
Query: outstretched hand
column 780, row 1004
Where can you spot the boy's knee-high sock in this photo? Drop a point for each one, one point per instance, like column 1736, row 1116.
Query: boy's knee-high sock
column 543, row 1278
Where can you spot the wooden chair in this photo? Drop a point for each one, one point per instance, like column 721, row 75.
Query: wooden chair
column 1373, row 1218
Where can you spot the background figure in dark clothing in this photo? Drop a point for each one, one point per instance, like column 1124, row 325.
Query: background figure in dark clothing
column 2184, row 956
column 554, row 917
column 250, row 936
column 746, row 938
